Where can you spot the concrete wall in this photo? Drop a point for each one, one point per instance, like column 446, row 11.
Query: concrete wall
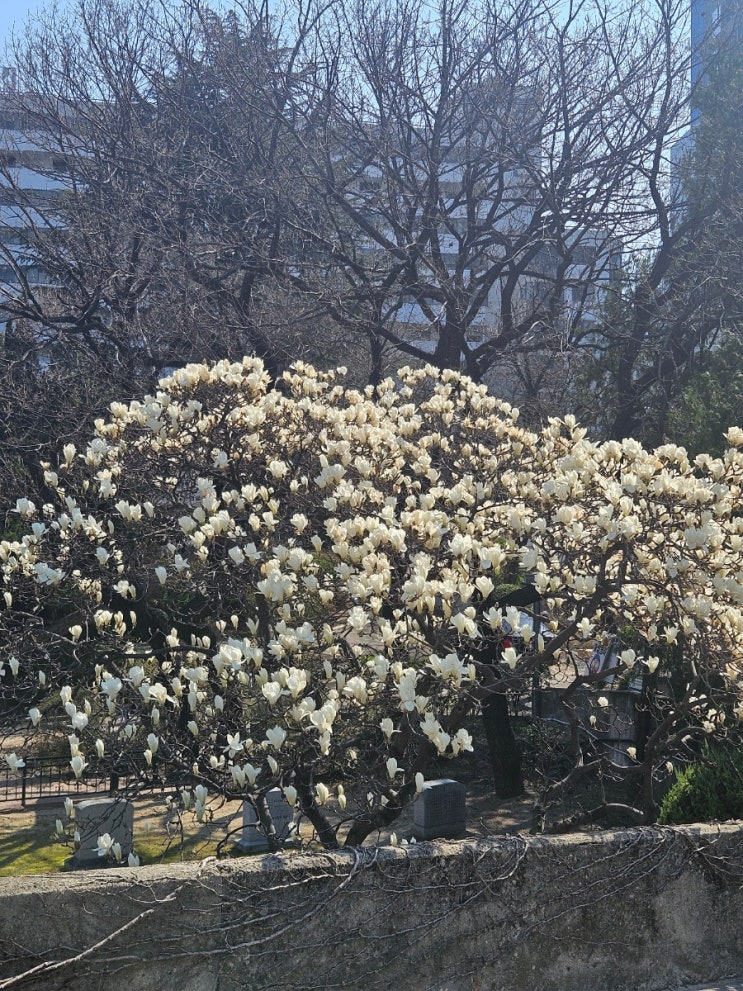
column 635, row 910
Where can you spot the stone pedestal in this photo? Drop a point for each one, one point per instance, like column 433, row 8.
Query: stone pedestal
column 253, row 840
column 440, row 811
column 97, row 816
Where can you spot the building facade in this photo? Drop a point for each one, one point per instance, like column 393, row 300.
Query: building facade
column 31, row 180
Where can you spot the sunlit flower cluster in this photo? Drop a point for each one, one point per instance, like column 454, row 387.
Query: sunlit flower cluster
column 289, row 587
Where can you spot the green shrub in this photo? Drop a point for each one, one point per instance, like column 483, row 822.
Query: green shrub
column 709, row 789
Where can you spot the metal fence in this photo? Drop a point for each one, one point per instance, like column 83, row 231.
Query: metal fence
column 47, row 777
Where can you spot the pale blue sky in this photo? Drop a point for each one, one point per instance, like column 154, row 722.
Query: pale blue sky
column 16, row 11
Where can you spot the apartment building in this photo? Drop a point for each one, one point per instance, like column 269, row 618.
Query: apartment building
column 713, row 22
column 30, row 182
column 716, row 25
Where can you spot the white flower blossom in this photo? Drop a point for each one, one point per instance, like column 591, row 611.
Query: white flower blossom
column 392, row 768
column 14, row 762
column 78, row 765
column 275, row 737
column 322, row 541
column 104, row 844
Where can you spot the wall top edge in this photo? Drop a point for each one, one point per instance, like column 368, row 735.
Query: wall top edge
column 345, row 861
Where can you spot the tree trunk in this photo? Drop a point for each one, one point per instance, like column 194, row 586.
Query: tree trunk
column 505, row 757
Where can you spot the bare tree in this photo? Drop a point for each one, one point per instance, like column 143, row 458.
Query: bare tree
column 153, row 252
column 680, row 294
column 481, row 171
column 366, row 181
column 161, row 137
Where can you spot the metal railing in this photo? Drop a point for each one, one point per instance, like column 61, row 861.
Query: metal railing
column 47, row 777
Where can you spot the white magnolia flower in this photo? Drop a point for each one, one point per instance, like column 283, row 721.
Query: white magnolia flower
column 25, row 507
column 234, row 744
column 251, row 774
column 585, row 627
column 79, row 720
column 14, row 762
column 510, row 657
column 272, row 691
column 356, row 687
column 104, row 844
column 461, row 741
column 78, row 765
column 484, row 585
column 111, row 687
column 275, row 737
column 392, row 768
column 387, row 727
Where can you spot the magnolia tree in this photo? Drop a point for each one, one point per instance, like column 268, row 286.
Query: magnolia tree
column 241, row 586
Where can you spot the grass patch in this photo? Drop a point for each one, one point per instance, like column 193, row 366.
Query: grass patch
column 29, row 844
column 29, row 850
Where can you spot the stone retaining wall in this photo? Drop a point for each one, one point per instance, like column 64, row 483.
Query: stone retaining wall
column 632, row 910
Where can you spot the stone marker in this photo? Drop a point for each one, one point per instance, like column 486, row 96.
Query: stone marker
column 253, row 839
column 439, row 810
column 97, row 816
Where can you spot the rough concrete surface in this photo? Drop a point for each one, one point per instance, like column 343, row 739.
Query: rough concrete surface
column 631, row 910
column 733, row 984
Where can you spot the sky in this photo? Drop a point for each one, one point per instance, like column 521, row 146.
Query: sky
column 15, row 11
